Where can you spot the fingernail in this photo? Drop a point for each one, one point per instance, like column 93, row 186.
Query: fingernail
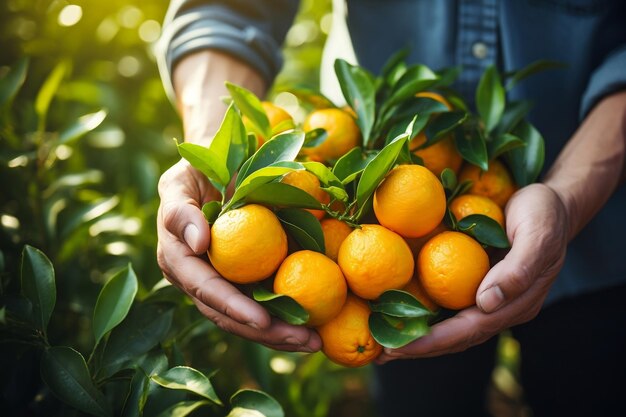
column 491, row 299
column 191, row 234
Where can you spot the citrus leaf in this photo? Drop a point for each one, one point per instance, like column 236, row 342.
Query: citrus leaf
column 358, row 89
column 258, row 178
column 377, row 168
column 448, row 76
column 65, row 372
column 351, row 164
column 526, row 162
column 414, row 80
column 323, row 173
column 312, row 97
column 211, row 210
column 501, row 144
column 38, row 285
column 490, row 98
column 472, row 147
column 283, row 126
column 277, row 194
column 13, row 81
column 484, row 229
column 206, row 161
column 48, row 90
column 282, row 147
column 137, row 395
column 314, row 137
column 114, row 302
column 183, row 408
column 394, row 332
column 338, row 193
column 256, row 400
column 398, row 303
column 395, row 66
column 442, row 125
column 82, row 126
column 514, row 113
column 187, row 379
column 282, row 306
column 230, row 144
column 448, row 179
column 250, row 106
column 304, row 228
column 531, row 69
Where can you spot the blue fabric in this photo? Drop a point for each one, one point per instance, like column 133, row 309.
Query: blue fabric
column 588, row 35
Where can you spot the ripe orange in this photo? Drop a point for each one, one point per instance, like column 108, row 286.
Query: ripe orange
column 375, row 259
column 346, row 339
column 279, row 119
column 315, row 282
column 495, row 183
column 416, row 290
column 467, row 204
column 248, row 244
column 308, row 182
column 343, row 134
column 335, row 232
column 450, row 267
column 410, row 201
column 416, row 243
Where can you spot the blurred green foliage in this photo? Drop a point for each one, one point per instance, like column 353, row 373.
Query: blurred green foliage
column 89, row 202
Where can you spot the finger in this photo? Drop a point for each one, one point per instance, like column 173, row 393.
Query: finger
column 200, row 281
column 279, row 335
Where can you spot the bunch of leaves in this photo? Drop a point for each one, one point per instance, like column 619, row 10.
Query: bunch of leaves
column 129, row 371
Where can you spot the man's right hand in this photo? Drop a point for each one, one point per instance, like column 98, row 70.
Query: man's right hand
column 183, row 240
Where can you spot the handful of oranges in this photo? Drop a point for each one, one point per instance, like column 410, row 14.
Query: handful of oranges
column 366, row 222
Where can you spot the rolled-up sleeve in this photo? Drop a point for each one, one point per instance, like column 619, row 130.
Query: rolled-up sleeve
column 252, row 31
column 608, row 78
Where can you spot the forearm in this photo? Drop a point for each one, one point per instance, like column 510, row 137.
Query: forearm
column 592, row 164
column 199, row 86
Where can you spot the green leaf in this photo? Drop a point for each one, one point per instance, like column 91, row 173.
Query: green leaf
column 82, row 126
column 448, row 179
column 145, row 326
column 211, row 210
column 398, row 303
column 443, row 124
column 448, row 76
column 48, row 90
column 472, row 147
column 13, row 81
column 526, row 162
column 114, row 302
column 395, row 66
column 304, row 228
column 377, row 168
column 282, row 306
column 206, row 161
column 358, row 89
column 315, row 137
column 312, row 97
column 501, row 144
column 277, row 194
column 484, row 229
column 323, row 173
column 250, row 106
column 38, row 285
column 188, row 379
column 416, row 79
column 230, row 144
column 531, row 69
column 183, row 408
column 394, row 332
column 256, row 400
column 259, row 178
column 282, row 147
column 65, row 372
column 490, row 98
column 514, row 113
column 137, row 396
column 351, row 164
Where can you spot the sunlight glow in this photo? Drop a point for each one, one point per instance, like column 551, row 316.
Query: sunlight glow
column 70, row 15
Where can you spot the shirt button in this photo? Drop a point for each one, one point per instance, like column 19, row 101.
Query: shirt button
column 480, row 50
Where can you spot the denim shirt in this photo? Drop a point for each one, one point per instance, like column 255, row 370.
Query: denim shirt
column 589, row 36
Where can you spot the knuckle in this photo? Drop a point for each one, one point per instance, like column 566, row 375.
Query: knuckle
column 519, row 278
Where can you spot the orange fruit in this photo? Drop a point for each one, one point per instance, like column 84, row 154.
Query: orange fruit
column 248, row 244
column 315, row 282
column 343, row 134
column 375, row 259
column 495, row 183
column 335, row 232
column 450, row 267
column 346, row 338
column 467, row 204
column 416, row 290
column 308, row 182
column 416, row 243
column 279, row 119
column 410, row 201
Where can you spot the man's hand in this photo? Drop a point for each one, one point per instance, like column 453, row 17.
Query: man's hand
column 515, row 288
column 184, row 238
